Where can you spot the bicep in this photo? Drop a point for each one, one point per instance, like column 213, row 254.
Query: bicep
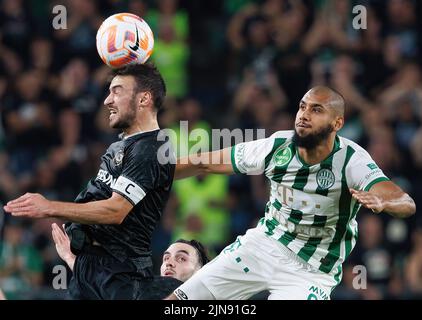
column 386, row 188
column 120, row 204
column 363, row 173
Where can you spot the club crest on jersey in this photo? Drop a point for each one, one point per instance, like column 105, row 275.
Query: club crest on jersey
column 325, row 178
column 118, row 158
column 282, row 156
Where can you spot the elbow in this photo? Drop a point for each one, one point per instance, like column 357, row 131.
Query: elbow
column 408, row 214
column 412, row 210
column 117, row 208
column 118, row 218
column 412, row 207
column 409, row 207
column 116, row 221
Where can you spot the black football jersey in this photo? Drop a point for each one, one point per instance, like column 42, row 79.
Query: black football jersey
column 141, row 169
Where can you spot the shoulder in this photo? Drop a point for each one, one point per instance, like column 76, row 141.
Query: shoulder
column 115, row 145
column 154, row 149
column 263, row 148
column 139, row 151
column 357, row 158
column 149, row 141
column 278, row 138
column 283, row 134
column 351, row 145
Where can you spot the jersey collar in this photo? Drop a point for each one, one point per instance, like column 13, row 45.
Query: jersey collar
column 337, row 147
column 123, row 137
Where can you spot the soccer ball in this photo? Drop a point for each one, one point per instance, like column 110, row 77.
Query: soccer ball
column 124, row 38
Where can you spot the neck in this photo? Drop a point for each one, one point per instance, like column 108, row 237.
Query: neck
column 319, row 153
column 147, row 124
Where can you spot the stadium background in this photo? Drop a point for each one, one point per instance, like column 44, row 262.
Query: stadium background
column 227, row 64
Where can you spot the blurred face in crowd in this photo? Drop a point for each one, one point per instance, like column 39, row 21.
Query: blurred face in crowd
column 180, row 261
column 320, row 115
column 122, row 102
column 371, row 231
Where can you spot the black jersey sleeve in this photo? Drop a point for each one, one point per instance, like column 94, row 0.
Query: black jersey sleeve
column 140, row 174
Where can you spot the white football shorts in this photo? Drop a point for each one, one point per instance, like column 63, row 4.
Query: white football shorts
column 253, row 263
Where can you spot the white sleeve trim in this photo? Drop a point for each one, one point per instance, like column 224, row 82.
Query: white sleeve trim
column 129, row 189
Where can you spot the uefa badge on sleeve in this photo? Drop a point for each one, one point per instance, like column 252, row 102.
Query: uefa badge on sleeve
column 282, row 157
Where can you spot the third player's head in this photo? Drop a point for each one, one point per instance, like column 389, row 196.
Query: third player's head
column 136, row 94
column 182, row 259
column 320, row 115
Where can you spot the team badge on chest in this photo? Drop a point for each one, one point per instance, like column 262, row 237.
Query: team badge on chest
column 118, row 158
column 325, row 178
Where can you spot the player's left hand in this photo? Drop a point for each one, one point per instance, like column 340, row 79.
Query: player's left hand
column 31, row 205
column 368, row 200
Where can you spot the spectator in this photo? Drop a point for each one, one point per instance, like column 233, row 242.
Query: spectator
column 21, row 265
column 413, row 268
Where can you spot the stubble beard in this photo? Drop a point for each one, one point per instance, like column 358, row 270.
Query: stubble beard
column 126, row 120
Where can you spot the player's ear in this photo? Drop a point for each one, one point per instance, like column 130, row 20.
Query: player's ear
column 145, row 99
column 338, row 124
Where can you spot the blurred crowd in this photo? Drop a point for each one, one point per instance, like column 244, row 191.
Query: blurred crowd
column 227, row 64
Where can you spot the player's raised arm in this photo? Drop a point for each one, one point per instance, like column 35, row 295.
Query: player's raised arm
column 34, row 205
column 246, row 158
column 387, row 197
column 210, row 162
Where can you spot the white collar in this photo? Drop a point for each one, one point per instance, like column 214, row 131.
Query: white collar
column 136, row 133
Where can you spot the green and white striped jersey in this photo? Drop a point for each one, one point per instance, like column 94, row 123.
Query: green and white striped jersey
column 310, row 210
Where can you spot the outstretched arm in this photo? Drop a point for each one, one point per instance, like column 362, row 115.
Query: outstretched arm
column 34, row 205
column 388, row 197
column 210, row 162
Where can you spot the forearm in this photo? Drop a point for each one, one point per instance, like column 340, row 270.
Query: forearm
column 95, row 212
column 401, row 206
column 209, row 162
column 185, row 168
column 70, row 261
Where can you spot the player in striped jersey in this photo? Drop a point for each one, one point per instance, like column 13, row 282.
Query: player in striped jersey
column 319, row 181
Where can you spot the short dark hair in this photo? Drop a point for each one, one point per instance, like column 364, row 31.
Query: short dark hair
column 200, row 250
column 337, row 100
column 147, row 78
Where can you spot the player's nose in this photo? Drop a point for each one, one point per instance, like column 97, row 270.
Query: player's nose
column 305, row 115
column 170, row 262
column 108, row 100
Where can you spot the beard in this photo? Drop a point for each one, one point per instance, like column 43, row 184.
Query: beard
column 312, row 140
column 126, row 119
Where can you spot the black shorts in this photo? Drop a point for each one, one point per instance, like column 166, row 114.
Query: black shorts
column 98, row 275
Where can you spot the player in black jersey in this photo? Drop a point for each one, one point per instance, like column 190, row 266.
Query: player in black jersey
column 180, row 261
column 114, row 217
